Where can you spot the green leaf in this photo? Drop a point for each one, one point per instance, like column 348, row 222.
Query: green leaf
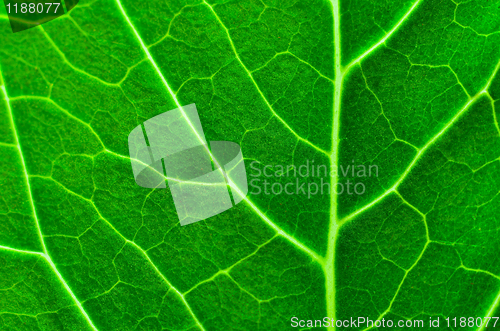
column 407, row 90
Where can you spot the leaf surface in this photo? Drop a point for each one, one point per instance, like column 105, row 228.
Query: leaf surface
column 407, row 90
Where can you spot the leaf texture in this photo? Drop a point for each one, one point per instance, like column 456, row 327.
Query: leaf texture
column 411, row 87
